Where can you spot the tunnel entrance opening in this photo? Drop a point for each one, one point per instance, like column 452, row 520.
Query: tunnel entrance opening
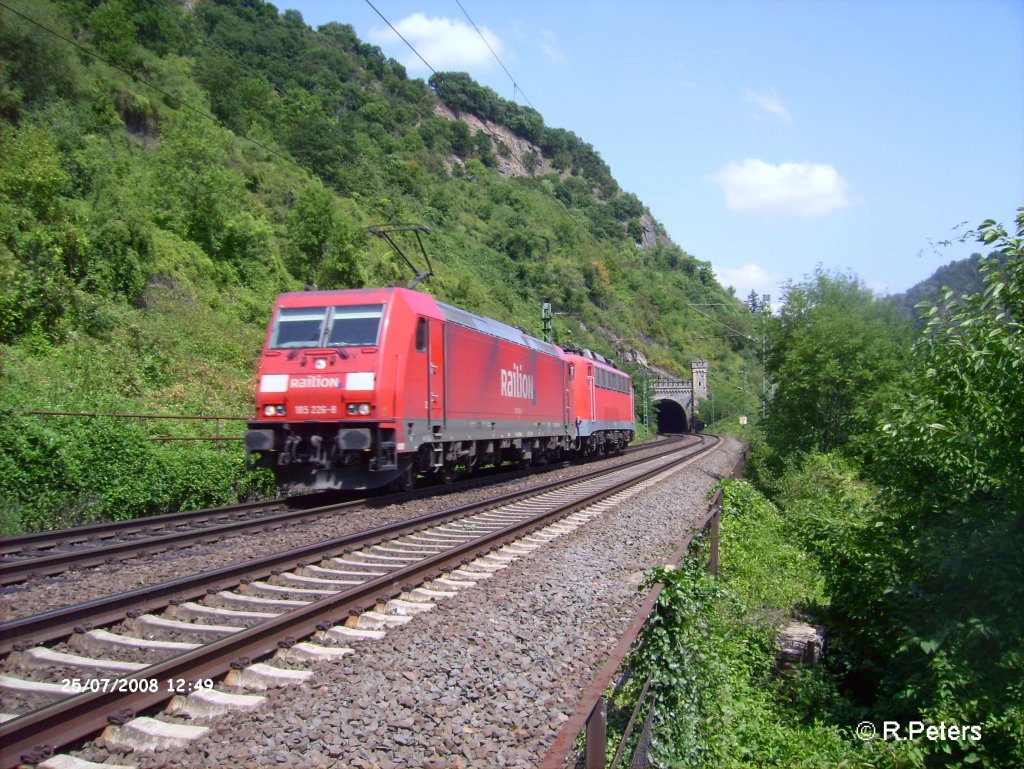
column 671, row 418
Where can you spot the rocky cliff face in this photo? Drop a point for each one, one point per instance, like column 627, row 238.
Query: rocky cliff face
column 510, row 162
column 511, row 149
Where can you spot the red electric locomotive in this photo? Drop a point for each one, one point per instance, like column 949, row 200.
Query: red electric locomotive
column 364, row 388
column 602, row 403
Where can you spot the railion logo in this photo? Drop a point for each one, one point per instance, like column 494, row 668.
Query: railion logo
column 516, row 384
column 314, row 381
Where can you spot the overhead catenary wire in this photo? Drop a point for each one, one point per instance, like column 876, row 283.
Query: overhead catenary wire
column 434, row 71
column 411, row 47
column 198, row 111
column 515, row 85
column 734, row 331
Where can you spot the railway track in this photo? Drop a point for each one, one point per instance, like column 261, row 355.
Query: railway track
column 44, row 554
column 48, row 553
column 197, row 629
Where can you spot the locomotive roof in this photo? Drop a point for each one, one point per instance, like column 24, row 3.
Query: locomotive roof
column 497, row 328
column 590, row 355
column 327, row 296
column 424, row 304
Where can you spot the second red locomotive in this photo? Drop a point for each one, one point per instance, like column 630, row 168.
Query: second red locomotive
column 369, row 387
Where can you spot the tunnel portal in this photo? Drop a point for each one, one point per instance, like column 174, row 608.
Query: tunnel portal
column 671, row 417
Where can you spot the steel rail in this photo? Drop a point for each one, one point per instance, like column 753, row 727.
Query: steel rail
column 47, row 626
column 73, row 719
column 58, row 537
column 55, row 563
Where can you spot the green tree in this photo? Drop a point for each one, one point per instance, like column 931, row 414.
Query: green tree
column 42, row 248
column 31, row 177
column 530, row 161
column 324, row 240
column 33, row 66
column 114, row 31
column 635, row 230
column 626, row 206
column 836, row 354
column 952, row 459
column 753, row 302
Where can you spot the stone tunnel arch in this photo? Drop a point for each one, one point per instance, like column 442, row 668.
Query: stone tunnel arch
column 670, row 416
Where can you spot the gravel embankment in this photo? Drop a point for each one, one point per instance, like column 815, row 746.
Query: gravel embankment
column 39, row 595
column 485, row 679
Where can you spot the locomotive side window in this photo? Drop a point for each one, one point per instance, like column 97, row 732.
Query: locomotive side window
column 421, row 335
column 610, row 380
column 356, row 325
column 298, row 327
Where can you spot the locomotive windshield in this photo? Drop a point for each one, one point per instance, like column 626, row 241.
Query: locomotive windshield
column 355, row 325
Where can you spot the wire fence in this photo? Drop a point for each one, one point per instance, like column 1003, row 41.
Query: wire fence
column 218, row 436
column 591, row 715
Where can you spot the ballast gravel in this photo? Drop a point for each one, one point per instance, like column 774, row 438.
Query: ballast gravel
column 76, row 586
column 488, row 677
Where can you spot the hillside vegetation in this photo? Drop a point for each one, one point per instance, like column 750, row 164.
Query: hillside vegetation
column 962, row 276
column 884, row 501
column 168, row 169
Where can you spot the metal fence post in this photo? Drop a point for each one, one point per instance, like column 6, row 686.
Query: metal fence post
column 597, row 735
column 642, row 754
column 713, row 562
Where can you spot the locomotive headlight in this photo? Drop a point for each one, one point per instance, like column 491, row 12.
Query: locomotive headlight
column 364, row 409
column 273, row 410
column 320, row 364
column 280, row 410
column 353, row 409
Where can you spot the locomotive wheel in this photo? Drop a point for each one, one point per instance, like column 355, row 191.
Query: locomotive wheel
column 406, row 480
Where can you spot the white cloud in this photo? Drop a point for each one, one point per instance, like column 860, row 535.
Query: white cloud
column 767, row 103
column 447, row 44
column 749, row 277
column 550, row 47
column 796, row 189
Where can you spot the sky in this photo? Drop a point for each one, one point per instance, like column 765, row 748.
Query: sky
column 768, row 137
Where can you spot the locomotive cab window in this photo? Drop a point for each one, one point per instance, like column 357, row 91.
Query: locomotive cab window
column 354, row 326
column 298, row 327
